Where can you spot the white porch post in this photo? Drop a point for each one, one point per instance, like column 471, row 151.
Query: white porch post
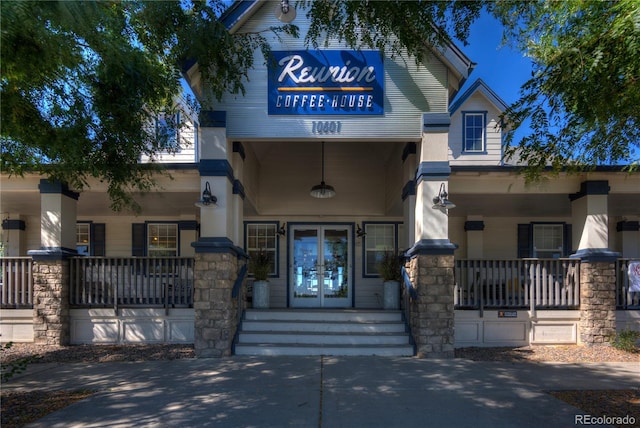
column 58, row 215
column 597, row 267
column 217, row 249
column 431, row 257
column 629, row 233
column 14, row 236
column 409, row 165
column 474, row 227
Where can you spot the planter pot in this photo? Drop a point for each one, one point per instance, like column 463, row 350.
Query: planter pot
column 391, row 295
column 261, row 294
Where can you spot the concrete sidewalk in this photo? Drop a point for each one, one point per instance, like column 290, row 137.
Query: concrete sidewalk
column 322, row 392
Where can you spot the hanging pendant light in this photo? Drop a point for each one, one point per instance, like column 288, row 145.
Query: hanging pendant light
column 323, row 190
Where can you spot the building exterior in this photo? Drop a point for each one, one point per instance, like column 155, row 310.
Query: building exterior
column 397, row 142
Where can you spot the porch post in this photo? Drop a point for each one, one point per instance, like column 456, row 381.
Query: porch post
column 597, row 266
column 13, row 228
column 474, row 227
column 51, row 265
column 409, row 191
column 431, row 257
column 628, row 236
column 217, row 254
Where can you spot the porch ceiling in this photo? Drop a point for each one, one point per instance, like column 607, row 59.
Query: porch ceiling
column 534, row 205
column 92, row 204
column 169, row 204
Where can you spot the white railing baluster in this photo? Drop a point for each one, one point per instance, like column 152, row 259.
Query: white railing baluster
column 518, row 283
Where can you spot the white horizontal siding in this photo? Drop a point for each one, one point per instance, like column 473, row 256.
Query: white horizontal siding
column 493, row 155
column 187, row 151
column 410, row 90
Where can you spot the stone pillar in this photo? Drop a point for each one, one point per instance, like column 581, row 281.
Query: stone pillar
column 51, row 265
column 215, row 310
column 589, row 209
column 218, row 255
column 431, row 256
column 51, row 322
column 597, row 302
column 432, row 313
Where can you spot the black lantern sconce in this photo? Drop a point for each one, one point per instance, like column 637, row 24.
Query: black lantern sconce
column 207, row 199
column 441, row 201
column 284, row 12
column 282, row 231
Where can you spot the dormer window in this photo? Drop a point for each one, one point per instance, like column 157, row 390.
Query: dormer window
column 167, row 130
column 474, row 132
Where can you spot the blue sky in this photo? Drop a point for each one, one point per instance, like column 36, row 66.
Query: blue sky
column 502, row 68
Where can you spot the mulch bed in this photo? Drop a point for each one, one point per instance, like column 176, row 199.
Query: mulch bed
column 614, row 404
column 21, row 408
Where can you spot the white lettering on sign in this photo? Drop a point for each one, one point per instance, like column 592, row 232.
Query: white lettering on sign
column 326, row 127
column 294, row 68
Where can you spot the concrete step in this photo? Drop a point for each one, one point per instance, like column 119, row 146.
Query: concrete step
column 288, row 338
column 351, row 315
column 323, row 332
column 325, row 327
column 269, row 349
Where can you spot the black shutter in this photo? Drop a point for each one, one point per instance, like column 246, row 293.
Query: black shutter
column 98, row 239
column 524, row 241
column 138, row 239
column 568, row 240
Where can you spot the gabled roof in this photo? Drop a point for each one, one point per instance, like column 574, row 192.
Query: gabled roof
column 241, row 10
column 479, row 86
column 238, row 13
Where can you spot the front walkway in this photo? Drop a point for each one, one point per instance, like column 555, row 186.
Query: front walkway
column 322, row 392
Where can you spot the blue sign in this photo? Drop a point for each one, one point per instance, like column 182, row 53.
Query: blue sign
column 315, row 82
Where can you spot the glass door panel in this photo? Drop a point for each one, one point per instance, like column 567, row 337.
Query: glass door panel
column 305, row 267
column 320, row 266
column 336, row 283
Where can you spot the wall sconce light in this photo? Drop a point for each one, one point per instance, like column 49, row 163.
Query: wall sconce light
column 282, row 231
column 207, row 198
column 284, row 12
column 440, row 201
column 359, row 232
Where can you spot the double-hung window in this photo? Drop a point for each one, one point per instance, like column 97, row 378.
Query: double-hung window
column 167, row 130
column 548, row 240
column 263, row 237
column 162, row 239
column 90, row 239
column 474, row 131
column 379, row 239
column 83, row 239
column 544, row 240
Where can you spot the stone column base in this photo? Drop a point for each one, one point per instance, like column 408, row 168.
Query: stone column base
column 597, row 303
column 215, row 310
column 51, row 321
column 432, row 313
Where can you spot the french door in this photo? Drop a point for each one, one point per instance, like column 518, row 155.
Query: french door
column 320, row 266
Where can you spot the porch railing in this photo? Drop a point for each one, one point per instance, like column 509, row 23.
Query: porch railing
column 16, row 283
column 131, row 281
column 625, row 299
column 517, row 283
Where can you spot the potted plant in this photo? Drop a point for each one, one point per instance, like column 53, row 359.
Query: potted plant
column 260, row 267
column 389, row 270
